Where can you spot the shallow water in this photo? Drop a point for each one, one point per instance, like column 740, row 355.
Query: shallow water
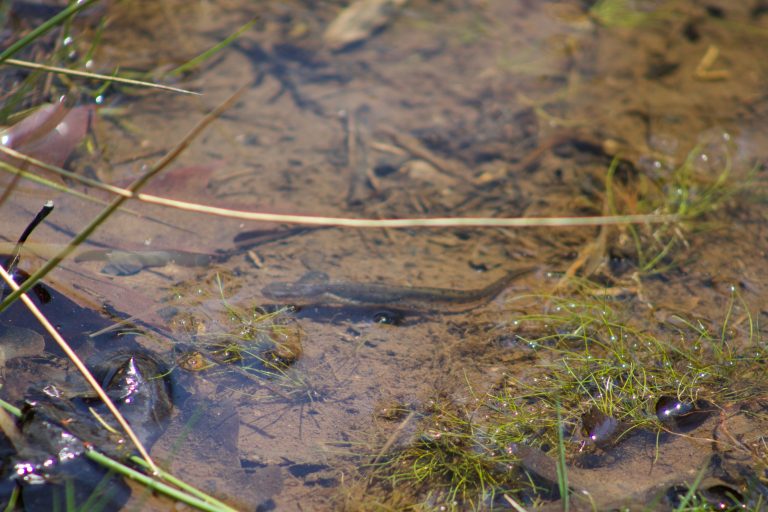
column 455, row 108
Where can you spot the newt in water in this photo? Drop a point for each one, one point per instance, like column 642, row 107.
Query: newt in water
column 316, row 288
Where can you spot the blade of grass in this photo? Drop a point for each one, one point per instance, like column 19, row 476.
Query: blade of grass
column 691, row 490
column 185, row 486
column 562, row 470
column 118, row 201
column 80, row 366
column 95, row 76
column 44, row 27
column 196, row 61
column 157, row 486
column 13, row 500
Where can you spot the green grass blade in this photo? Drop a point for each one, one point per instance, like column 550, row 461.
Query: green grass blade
column 196, row 61
column 44, row 27
column 691, row 491
column 183, row 485
column 153, row 484
column 562, row 471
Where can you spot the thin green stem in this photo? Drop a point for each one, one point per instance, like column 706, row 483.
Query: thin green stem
column 562, row 471
column 153, row 484
column 196, row 61
column 41, row 29
column 183, row 485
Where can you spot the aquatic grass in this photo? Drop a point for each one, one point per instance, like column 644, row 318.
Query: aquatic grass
column 687, row 193
column 258, row 325
column 248, row 342
column 599, row 352
column 13, row 500
column 617, row 13
column 594, row 355
column 690, row 495
column 13, row 99
column 625, row 14
column 453, row 459
column 43, row 28
column 41, row 71
column 197, row 61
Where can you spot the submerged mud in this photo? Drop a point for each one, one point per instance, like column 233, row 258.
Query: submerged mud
column 462, row 109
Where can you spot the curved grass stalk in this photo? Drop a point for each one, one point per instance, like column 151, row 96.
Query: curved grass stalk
column 331, row 221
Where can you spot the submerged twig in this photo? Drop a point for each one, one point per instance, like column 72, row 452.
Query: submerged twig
column 19, row 173
column 393, row 437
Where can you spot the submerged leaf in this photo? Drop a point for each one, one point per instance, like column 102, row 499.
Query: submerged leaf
column 50, row 134
column 359, row 20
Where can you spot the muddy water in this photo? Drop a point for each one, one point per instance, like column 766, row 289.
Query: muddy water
column 456, row 108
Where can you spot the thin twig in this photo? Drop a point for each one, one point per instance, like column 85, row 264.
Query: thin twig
column 80, row 366
column 118, row 201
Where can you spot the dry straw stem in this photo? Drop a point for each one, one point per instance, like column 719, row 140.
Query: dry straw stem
column 94, row 76
column 335, row 221
column 81, row 367
column 118, row 201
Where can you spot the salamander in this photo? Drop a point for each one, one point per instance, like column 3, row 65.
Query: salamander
column 315, row 288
